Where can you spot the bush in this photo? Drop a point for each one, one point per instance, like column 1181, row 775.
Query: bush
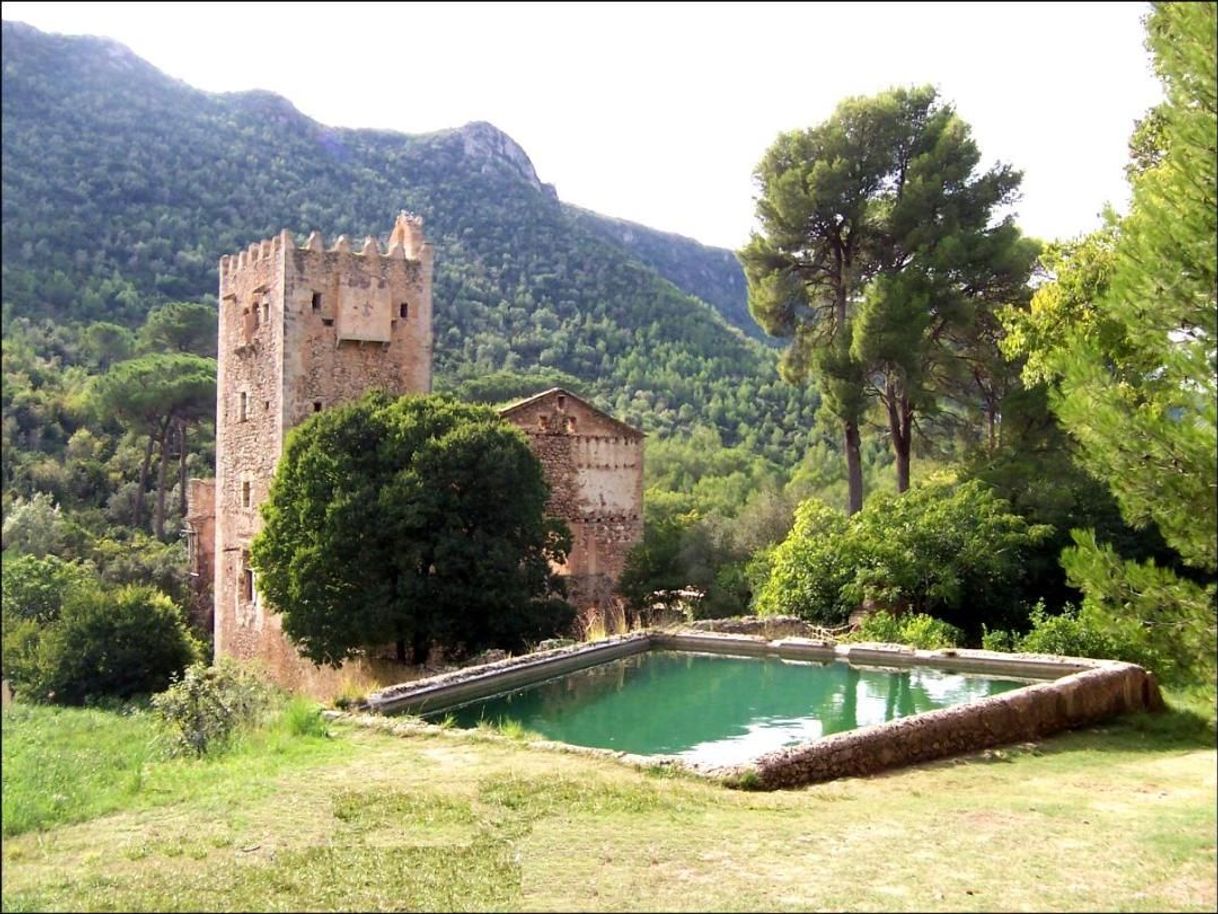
column 35, row 588
column 107, row 644
column 1081, row 633
column 917, row 630
column 209, row 704
column 951, row 551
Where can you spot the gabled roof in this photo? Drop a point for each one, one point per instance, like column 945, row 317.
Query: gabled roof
column 510, row 408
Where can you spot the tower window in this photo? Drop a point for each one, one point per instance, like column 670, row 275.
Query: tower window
column 245, row 494
column 254, row 314
column 247, row 584
column 316, row 302
column 316, row 406
column 570, row 423
column 404, row 309
column 266, row 312
column 562, row 402
column 328, row 321
column 245, row 406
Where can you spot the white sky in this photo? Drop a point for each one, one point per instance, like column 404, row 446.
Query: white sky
column 658, row 113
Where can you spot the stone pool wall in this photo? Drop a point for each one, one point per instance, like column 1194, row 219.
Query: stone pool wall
column 1025, row 714
column 1079, row 691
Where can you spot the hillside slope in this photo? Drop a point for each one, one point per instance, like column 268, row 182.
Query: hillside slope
column 122, row 187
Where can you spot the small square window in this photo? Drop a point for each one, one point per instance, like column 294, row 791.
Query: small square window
column 328, row 321
column 316, row 406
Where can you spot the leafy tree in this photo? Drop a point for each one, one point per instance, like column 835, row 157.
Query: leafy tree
column 409, row 521
column 181, row 327
column 877, row 258
column 1132, row 367
column 157, row 396
column 35, row 588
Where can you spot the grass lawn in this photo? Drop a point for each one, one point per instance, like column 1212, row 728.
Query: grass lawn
column 1120, row 817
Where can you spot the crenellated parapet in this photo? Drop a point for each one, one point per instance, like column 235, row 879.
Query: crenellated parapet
column 406, row 242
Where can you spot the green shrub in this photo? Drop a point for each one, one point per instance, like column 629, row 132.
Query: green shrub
column 107, row 644
column 209, row 704
column 999, row 640
column 951, row 551
column 1087, row 633
column 35, row 588
column 917, row 630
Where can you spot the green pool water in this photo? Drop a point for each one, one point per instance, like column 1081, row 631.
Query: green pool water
column 716, row 709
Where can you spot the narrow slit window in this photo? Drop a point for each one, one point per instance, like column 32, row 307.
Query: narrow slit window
column 316, row 302
column 562, row 402
column 245, row 406
column 247, row 584
column 255, row 313
column 245, row 494
column 266, row 312
column 404, row 309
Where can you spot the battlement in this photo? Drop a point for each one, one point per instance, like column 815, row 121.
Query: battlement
column 406, row 242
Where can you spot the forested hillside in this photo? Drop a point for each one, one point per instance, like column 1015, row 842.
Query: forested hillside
column 122, row 187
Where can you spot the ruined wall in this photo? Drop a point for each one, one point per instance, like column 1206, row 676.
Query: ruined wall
column 301, row 329
column 594, row 465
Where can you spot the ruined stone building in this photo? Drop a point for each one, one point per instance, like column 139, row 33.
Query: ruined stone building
column 594, row 465
column 305, row 328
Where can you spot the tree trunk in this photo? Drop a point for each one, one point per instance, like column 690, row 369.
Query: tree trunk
column 899, row 420
column 182, row 468
column 139, row 492
column 419, row 647
column 158, row 529
column 854, row 467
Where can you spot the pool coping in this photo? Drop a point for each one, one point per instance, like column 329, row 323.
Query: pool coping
column 1063, row 693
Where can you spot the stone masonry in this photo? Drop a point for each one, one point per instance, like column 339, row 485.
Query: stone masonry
column 594, row 465
column 306, row 328
column 301, row 329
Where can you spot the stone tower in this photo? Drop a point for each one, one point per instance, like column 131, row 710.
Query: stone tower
column 301, row 329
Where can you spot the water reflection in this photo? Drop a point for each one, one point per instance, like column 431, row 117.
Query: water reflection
column 717, row 709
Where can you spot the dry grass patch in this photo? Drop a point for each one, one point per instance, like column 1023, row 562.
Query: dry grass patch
column 1122, row 819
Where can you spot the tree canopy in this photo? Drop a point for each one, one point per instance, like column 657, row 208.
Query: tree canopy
column 879, row 256
column 1125, row 337
column 406, row 522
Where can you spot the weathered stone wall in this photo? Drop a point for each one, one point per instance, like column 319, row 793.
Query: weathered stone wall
column 301, row 329
column 1025, row 714
column 594, row 465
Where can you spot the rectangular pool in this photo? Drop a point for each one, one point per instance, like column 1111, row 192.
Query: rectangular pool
column 715, row 709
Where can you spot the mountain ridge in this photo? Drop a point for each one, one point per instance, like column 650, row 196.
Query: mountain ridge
column 123, row 186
